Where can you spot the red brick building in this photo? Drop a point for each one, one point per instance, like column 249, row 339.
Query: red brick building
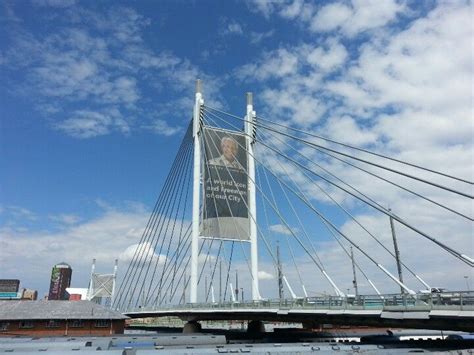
column 56, row 318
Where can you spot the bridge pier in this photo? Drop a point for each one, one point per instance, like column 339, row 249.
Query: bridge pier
column 192, row 327
column 255, row 327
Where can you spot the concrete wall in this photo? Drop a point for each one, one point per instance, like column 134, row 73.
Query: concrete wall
column 40, row 328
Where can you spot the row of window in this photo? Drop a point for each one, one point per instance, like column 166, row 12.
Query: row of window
column 53, row 323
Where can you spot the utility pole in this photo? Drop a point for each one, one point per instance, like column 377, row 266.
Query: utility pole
column 354, row 281
column 220, row 280
column 236, row 286
column 184, row 289
column 281, row 296
column 397, row 252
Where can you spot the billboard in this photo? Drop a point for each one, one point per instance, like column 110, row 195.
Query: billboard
column 225, row 203
column 60, row 280
column 9, row 285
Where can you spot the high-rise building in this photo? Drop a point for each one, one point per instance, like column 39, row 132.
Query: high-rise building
column 60, row 280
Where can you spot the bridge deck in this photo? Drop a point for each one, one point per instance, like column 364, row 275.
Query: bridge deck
column 453, row 313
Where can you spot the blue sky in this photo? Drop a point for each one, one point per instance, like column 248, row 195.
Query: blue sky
column 95, row 98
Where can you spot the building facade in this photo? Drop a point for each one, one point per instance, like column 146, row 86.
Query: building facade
column 58, row 318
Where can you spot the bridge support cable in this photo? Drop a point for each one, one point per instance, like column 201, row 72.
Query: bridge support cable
column 372, row 174
column 130, row 277
column 132, row 269
column 179, row 198
column 469, row 261
column 161, row 231
column 158, row 234
column 267, row 245
column 305, row 200
column 329, row 225
column 169, row 274
column 289, row 128
column 286, row 239
column 351, row 216
column 181, row 236
column 314, row 145
column 275, row 209
column 320, row 267
column 278, row 268
column 183, row 272
column 325, row 225
column 325, row 150
column 460, row 214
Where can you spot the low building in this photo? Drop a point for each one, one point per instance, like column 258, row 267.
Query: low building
column 28, row 294
column 56, row 318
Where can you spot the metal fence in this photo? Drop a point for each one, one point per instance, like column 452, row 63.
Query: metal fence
column 453, row 300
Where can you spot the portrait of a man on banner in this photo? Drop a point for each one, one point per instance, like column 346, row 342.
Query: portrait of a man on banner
column 225, row 207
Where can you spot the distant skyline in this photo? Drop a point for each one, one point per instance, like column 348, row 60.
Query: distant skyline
column 96, row 96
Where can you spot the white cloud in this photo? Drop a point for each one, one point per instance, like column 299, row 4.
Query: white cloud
column 100, row 62
column 350, row 18
column 163, row 128
column 142, row 251
column 331, row 16
column 65, row 219
column 54, row 3
column 258, row 37
column 88, row 124
column 283, row 229
column 263, row 275
column 328, row 59
column 234, row 28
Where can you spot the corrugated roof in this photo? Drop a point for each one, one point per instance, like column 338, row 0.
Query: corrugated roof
column 17, row 310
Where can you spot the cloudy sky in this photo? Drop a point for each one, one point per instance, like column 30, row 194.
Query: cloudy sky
column 96, row 96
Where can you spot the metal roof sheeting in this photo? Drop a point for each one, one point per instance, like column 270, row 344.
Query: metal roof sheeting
column 19, row 310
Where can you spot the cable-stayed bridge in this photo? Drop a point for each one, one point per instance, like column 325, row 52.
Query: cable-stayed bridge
column 250, row 207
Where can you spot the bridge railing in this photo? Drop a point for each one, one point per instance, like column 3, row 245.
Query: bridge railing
column 453, row 300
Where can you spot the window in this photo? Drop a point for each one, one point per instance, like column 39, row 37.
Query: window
column 4, row 326
column 102, row 323
column 24, row 324
column 76, row 323
column 53, row 323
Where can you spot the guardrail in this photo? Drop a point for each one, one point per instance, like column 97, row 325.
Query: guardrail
column 453, row 300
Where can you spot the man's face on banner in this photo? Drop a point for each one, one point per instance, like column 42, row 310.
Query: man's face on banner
column 229, row 148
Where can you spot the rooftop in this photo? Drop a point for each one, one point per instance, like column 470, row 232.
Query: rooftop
column 17, row 310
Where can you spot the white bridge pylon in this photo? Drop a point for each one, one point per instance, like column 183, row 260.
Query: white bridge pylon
column 198, row 188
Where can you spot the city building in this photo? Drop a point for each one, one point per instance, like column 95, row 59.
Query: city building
column 58, row 318
column 9, row 289
column 9, row 285
column 28, row 294
column 60, row 280
column 77, row 294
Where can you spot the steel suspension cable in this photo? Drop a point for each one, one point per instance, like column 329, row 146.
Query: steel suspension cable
column 348, row 146
column 165, row 220
column 455, row 253
column 338, row 291
column 349, row 214
column 136, row 259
